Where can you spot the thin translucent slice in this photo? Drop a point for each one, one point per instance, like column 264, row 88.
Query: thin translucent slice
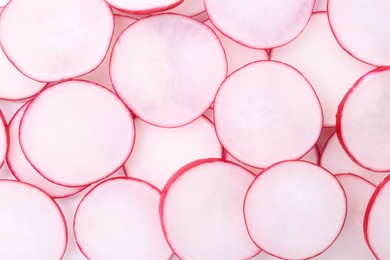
column 76, row 133
column 295, row 210
column 167, row 69
column 201, row 211
column 361, row 28
column 326, row 65
column 188, row 8
column 144, row 6
column 266, row 112
column 119, row 219
column 169, row 149
column 55, row 40
column 260, row 24
column 33, row 226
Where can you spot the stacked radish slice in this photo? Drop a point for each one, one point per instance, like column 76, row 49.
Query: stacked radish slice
column 194, row 129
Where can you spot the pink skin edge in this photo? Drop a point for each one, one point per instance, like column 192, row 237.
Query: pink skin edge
column 339, row 118
column 61, row 79
column 173, row 179
column 215, row 119
column 268, row 48
column 23, row 98
column 6, row 129
column 130, row 108
column 91, row 182
column 148, row 11
column 341, row 228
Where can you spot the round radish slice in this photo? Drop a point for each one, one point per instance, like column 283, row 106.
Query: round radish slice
column 76, row 133
column 350, row 244
column 22, row 169
column 376, row 221
column 201, row 211
column 260, row 24
column 169, row 149
column 266, row 112
column 188, row 8
column 295, row 210
column 361, row 28
column 119, row 219
column 33, row 226
column 363, row 121
column 326, row 65
column 55, row 40
column 4, row 139
column 176, row 65
column 144, row 6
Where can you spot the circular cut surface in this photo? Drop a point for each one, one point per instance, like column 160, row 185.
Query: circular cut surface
column 144, row 6
column 201, row 211
column 167, row 69
column 32, row 226
column 76, row 133
column 260, row 24
column 266, row 112
column 295, row 210
column 54, row 40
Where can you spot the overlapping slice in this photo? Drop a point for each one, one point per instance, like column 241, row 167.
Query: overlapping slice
column 145, row 6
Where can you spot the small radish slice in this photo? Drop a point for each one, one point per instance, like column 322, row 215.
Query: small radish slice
column 295, row 210
column 266, row 112
column 202, row 17
column 176, row 65
column 324, row 137
column 76, row 133
column 237, row 55
column 188, row 8
column 4, row 139
column 144, row 6
column 376, row 221
column 326, row 65
column 55, row 40
column 351, row 244
column 201, row 211
column 361, row 28
column 320, row 6
column 363, row 121
column 335, row 160
column 33, row 227
column 22, row 169
column 119, row 219
column 260, row 24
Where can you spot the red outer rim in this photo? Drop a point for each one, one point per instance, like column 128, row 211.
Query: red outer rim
column 27, row 97
column 350, row 174
column 93, row 181
column 268, row 61
column 326, row 171
column 6, row 130
column 146, row 11
column 339, row 118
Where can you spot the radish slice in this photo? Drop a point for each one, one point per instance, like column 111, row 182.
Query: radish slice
column 324, row 137
column 22, row 169
column 260, row 24
column 33, row 226
column 201, row 211
column 188, row 8
column 351, row 244
column 176, row 65
column 335, row 160
column 363, row 121
column 295, row 210
column 326, row 65
column 361, row 28
column 4, row 139
column 169, row 149
column 55, row 40
column 76, row 133
column 237, row 55
column 144, row 6
column 376, row 221
column 266, row 112
column 119, row 219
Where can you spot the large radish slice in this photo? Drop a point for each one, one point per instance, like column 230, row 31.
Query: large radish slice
column 363, row 121
column 55, row 40
column 188, row 8
column 119, row 219
column 376, row 221
column 326, row 65
column 76, row 133
column 167, row 69
column 201, row 211
column 361, row 28
column 144, row 6
column 33, row 226
column 266, row 112
column 22, row 169
column 260, row 24
column 351, row 244
column 295, row 210
column 169, row 149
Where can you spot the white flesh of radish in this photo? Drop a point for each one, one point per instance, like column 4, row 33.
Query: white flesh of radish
column 144, row 6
